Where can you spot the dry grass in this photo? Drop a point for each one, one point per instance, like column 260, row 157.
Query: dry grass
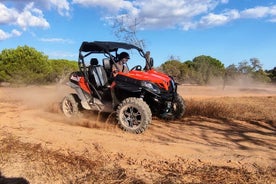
column 39, row 165
column 260, row 108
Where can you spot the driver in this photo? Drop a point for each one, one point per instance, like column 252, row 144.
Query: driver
column 121, row 65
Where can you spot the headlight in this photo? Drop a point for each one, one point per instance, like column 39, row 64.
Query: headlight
column 151, row 87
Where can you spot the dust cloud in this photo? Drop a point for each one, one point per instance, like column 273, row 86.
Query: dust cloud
column 45, row 102
column 41, row 97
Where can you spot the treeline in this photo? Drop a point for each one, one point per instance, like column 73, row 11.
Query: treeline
column 207, row 70
column 26, row 65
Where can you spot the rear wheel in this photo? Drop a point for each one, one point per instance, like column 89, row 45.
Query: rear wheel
column 133, row 115
column 177, row 109
column 70, row 105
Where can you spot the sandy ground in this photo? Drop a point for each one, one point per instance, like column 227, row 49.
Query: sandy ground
column 32, row 114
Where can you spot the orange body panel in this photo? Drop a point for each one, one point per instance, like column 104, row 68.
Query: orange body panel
column 84, row 85
column 161, row 79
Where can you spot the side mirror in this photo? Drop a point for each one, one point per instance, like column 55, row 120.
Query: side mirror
column 151, row 63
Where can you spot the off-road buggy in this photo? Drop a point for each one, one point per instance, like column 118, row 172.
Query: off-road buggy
column 142, row 92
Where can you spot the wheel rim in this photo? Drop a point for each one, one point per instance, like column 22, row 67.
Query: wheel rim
column 67, row 108
column 131, row 116
column 175, row 107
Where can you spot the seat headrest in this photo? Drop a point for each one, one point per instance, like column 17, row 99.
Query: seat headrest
column 94, row 61
column 106, row 63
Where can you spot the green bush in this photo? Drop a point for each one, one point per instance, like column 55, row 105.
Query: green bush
column 60, row 68
column 26, row 65
column 23, row 65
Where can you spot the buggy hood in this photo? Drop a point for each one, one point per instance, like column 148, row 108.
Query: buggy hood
column 160, row 79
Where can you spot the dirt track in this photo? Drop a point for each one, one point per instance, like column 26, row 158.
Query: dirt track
column 32, row 116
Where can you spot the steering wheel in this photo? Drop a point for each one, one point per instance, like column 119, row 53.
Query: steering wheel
column 137, row 67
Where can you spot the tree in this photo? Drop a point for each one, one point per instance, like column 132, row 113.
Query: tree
column 272, row 74
column 231, row 70
column 207, row 68
column 261, row 76
column 244, row 68
column 173, row 68
column 126, row 29
column 256, row 64
column 23, row 65
column 190, row 72
column 253, row 71
column 231, row 73
column 60, row 68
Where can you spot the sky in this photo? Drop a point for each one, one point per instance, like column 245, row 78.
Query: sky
column 231, row 31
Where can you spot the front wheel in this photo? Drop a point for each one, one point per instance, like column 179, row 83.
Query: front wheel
column 134, row 115
column 70, row 105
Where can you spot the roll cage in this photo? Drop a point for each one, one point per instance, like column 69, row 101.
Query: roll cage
column 106, row 48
